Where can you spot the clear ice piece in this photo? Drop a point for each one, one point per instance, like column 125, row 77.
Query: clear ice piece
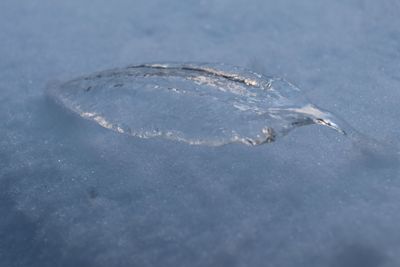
column 196, row 103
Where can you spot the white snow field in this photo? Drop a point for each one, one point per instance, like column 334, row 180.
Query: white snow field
column 75, row 194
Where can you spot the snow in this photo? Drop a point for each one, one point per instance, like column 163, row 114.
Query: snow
column 75, row 194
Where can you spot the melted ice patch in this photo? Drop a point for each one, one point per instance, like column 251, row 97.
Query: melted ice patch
column 200, row 104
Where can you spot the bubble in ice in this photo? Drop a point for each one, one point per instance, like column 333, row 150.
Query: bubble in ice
column 196, row 103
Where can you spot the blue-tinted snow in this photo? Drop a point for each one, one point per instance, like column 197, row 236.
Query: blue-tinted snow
column 74, row 194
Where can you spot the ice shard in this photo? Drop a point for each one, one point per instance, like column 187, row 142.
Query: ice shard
column 196, row 103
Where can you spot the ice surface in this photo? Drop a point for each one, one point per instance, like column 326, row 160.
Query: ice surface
column 200, row 104
column 75, row 194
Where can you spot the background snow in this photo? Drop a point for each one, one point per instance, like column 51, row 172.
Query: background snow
column 74, row 194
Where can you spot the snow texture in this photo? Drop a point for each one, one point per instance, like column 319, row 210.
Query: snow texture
column 75, row 194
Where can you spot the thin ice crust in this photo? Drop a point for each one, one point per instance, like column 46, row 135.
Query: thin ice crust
column 200, row 104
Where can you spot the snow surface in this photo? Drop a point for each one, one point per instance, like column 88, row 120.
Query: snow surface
column 75, row 194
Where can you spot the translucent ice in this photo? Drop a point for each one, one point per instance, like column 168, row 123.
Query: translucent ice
column 203, row 104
